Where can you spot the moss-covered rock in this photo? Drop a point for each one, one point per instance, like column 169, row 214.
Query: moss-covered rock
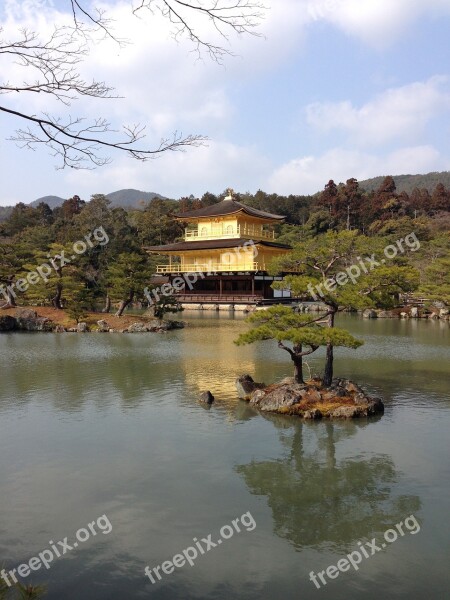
column 344, row 399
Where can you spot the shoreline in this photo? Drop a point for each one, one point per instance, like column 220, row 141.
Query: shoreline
column 51, row 320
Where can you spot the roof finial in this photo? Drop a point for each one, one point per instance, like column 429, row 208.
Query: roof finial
column 230, row 192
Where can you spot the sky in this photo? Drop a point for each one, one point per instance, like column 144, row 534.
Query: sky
column 332, row 89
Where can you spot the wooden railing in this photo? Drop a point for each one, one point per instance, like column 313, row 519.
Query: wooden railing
column 213, row 298
column 230, row 298
column 217, row 233
column 210, row 267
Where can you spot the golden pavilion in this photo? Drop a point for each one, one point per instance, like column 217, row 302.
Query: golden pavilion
column 225, row 255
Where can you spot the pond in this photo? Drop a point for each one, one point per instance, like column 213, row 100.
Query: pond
column 110, row 424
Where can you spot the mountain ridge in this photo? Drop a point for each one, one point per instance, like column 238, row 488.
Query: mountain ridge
column 407, row 183
column 132, row 198
column 126, row 198
column 135, row 199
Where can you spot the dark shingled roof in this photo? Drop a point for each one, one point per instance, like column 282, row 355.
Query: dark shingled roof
column 228, row 207
column 210, row 244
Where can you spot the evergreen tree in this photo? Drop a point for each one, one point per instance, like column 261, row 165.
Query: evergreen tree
column 127, row 278
column 281, row 323
column 440, row 200
column 57, row 278
column 322, row 263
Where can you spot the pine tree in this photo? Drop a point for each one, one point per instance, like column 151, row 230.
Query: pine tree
column 281, row 323
column 322, row 265
column 127, row 278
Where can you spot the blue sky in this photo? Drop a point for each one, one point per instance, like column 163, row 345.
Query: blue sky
column 334, row 89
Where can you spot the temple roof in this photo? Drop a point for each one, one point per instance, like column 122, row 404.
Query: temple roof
column 212, row 244
column 228, row 207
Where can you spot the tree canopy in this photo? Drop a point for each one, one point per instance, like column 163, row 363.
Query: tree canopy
column 281, row 323
column 340, row 270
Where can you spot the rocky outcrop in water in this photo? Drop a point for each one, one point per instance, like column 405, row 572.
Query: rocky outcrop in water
column 246, row 386
column 157, row 326
column 343, row 399
column 7, row 323
column 206, row 397
column 25, row 320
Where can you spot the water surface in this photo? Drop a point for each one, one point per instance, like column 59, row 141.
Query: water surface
column 110, row 424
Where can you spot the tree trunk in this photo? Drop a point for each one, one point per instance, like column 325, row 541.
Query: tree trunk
column 107, row 306
column 328, row 372
column 56, row 300
column 9, row 296
column 298, row 363
column 11, row 299
column 124, row 304
column 298, row 369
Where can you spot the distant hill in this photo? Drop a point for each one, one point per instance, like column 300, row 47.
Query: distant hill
column 132, row 198
column 52, row 201
column 124, row 198
column 406, row 183
column 135, row 199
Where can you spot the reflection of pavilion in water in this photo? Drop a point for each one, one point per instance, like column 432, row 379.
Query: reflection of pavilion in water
column 217, row 363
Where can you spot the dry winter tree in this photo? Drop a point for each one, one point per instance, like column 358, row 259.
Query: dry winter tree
column 52, row 63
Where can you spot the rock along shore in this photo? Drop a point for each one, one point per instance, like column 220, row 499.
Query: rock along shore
column 344, row 399
column 26, row 319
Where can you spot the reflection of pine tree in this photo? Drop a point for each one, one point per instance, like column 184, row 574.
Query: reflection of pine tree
column 317, row 499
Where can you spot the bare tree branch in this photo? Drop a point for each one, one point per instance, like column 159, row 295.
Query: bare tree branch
column 225, row 16
column 77, row 146
column 97, row 21
column 51, row 68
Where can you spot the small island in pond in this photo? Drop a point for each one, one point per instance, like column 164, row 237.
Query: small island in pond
column 309, row 400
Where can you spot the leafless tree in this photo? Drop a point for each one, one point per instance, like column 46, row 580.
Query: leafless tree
column 52, row 65
column 225, row 16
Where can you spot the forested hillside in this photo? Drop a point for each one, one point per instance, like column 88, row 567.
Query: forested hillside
column 135, row 199
column 407, row 183
column 113, row 265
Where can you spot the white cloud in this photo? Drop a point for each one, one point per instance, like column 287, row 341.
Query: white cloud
column 378, row 23
column 308, row 174
column 214, row 167
column 396, row 114
column 166, row 88
column 162, row 83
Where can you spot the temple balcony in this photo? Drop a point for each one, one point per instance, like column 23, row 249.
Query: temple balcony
column 210, row 267
column 228, row 232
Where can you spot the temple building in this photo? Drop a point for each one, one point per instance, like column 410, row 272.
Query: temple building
column 225, row 255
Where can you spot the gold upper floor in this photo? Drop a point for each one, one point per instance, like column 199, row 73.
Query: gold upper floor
column 227, row 228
